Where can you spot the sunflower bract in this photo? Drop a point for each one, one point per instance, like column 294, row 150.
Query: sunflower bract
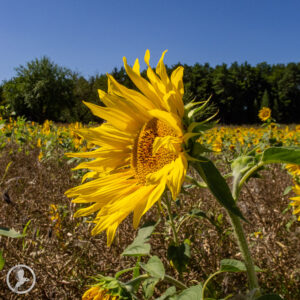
column 140, row 148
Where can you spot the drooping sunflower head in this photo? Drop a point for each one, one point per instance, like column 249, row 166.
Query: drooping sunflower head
column 102, row 292
column 264, row 114
column 141, row 147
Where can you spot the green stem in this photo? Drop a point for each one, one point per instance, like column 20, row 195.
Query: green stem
column 208, row 279
column 239, row 232
column 167, row 278
column 242, row 242
column 118, row 274
column 168, row 204
column 237, row 187
column 137, row 279
column 175, row 282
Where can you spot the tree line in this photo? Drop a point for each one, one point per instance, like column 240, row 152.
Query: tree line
column 43, row 90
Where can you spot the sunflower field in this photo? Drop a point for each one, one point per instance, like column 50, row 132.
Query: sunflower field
column 157, row 181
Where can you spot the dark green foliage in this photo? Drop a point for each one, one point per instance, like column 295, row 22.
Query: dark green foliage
column 265, row 100
column 42, row 90
column 239, row 91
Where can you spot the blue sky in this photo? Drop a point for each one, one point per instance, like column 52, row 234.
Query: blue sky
column 92, row 36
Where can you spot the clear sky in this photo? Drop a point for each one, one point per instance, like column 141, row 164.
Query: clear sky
column 92, row 36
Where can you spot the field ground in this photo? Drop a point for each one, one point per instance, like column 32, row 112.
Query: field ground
column 63, row 254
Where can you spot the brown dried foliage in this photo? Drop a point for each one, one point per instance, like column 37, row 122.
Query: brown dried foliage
column 64, row 259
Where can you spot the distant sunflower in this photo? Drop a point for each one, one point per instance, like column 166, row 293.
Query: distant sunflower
column 264, row 114
column 296, row 200
column 293, row 169
column 140, row 147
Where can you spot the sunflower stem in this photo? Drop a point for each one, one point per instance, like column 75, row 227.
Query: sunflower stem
column 175, row 282
column 168, row 204
column 137, row 280
column 207, row 280
column 118, row 274
column 238, row 186
column 243, row 245
column 240, row 234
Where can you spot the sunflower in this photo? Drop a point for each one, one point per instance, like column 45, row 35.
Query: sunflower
column 296, row 200
column 140, row 147
column 98, row 293
column 264, row 114
column 293, row 169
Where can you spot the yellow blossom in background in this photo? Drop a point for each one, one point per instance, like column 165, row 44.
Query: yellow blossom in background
column 54, row 215
column 258, row 234
column 140, row 147
column 296, row 200
column 55, row 218
column 39, row 143
column 40, row 156
column 264, row 114
column 217, row 145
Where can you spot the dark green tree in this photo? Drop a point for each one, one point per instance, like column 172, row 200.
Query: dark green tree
column 289, row 93
column 265, row 101
column 42, row 90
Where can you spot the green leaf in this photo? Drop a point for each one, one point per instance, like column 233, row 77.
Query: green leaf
column 2, row 260
column 192, row 293
column 169, row 292
column 10, row 233
column 233, row 265
column 217, row 184
column 154, row 267
column 270, row 297
column 149, row 286
column 140, row 245
column 289, row 155
column 179, row 256
column 287, row 190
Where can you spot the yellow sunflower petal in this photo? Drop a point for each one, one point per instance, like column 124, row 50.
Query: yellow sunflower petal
column 143, row 85
column 119, row 119
column 124, row 105
column 107, row 136
column 134, row 96
column 161, row 70
column 145, row 205
column 177, row 175
column 136, row 67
